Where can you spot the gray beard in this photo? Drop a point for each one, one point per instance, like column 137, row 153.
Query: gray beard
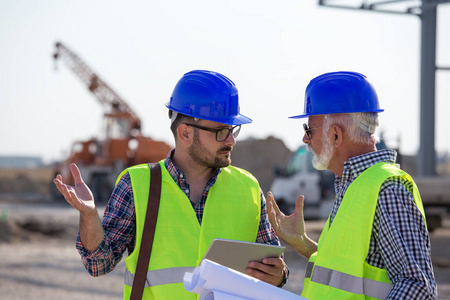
column 322, row 161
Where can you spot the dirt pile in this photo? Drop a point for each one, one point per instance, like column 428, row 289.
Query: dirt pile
column 25, row 180
column 260, row 157
column 31, row 221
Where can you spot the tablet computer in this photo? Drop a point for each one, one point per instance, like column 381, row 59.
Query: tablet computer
column 237, row 254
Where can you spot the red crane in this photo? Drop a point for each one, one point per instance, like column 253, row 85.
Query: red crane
column 122, row 144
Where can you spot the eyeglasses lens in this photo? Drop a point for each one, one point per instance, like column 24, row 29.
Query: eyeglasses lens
column 307, row 131
column 224, row 133
column 236, row 131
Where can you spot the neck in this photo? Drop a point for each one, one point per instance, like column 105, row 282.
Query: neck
column 197, row 176
column 343, row 154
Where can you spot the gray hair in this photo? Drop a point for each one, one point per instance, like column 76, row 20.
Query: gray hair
column 360, row 126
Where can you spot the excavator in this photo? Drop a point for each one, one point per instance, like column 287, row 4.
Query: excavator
column 121, row 143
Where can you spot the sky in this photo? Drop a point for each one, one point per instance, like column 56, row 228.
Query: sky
column 269, row 49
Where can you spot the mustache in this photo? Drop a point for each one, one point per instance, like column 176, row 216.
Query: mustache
column 225, row 149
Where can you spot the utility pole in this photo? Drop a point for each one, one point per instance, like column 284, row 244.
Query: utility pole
column 427, row 12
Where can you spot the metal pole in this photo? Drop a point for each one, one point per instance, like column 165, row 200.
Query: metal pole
column 426, row 164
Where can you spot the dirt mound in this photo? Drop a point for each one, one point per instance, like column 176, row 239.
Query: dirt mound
column 38, row 221
column 261, row 157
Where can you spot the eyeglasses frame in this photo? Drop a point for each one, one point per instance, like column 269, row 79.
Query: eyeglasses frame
column 308, row 130
column 217, row 130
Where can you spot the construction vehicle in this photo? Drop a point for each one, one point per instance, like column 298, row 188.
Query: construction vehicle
column 121, row 143
column 299, row 177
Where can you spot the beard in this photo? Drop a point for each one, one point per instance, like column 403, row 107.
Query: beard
column 322, row 160
column 202, row 156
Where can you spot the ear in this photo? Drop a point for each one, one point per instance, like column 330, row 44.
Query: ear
column 185, row 133
column 337, row 135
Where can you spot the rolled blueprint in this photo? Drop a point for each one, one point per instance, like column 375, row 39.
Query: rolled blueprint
column 216, row 282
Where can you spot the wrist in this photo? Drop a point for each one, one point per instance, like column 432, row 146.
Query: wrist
column 285, row 277
column 304, row 245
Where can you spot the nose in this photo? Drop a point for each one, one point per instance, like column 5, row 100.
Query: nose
column 305, row 139
column 230, row 140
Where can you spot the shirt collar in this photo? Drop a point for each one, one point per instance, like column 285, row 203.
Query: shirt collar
column 358, row 164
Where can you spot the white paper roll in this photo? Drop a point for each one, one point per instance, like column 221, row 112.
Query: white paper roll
column 216, row 282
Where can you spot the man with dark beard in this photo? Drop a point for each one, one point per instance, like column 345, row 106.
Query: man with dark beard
column 375, row 243
column 202, row 197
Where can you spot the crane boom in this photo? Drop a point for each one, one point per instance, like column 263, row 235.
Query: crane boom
column 111, row 101
column 120, row 144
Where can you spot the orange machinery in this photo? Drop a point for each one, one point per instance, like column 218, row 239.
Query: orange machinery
column 121, row 143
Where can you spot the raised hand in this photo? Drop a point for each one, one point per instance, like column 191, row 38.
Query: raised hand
column 79, row 195
column 291, row 229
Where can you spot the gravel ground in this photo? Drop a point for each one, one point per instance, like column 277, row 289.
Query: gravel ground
column 39, row 259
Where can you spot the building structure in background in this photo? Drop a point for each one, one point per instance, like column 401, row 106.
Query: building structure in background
column 426, row 10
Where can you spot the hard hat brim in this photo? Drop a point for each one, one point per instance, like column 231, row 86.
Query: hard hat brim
column 333, row 113
column 232, row 120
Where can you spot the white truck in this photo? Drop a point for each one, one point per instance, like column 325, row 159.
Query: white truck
column 299, row 177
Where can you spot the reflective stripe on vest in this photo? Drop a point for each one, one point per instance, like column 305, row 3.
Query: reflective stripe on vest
column 160, row 277
column 349, row 283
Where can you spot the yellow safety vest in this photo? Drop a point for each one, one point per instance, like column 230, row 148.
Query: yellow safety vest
column 338, row 270
column 232, row 211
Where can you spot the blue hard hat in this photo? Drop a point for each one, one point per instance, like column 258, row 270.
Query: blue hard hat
column 339, row 92
column 207, row 95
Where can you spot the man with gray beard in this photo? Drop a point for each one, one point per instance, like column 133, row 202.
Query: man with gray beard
column 202, row 198
column 375, row 243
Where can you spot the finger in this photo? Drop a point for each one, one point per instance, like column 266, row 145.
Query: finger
column 58, row 183
column 274, row 261
column 74, row 200
column 271, row 211
column 62, row 187
column 273, row 268
column 266, row 273
column 76, row 173
column 71, row 196
column 272, row 204
column 269, row 203
column 64, row 190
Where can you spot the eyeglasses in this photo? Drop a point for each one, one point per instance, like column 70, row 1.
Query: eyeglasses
column 308, row 130
column 221, row 133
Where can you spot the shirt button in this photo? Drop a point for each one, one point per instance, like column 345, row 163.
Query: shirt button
column 181, row 175
column 187, row 191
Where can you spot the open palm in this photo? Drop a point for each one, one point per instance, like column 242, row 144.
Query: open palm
column 79, row 195
column 290, row 229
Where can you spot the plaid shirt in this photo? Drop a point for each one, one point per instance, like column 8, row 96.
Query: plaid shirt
column 400, row 242
column 119, row 222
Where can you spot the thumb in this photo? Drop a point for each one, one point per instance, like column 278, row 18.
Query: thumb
column 299, row 204
column 76, row 174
